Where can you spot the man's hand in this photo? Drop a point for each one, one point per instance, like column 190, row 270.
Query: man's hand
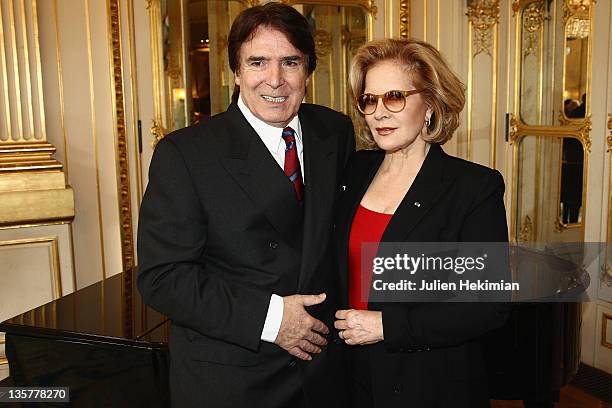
column 359, row 327
column 300, row 333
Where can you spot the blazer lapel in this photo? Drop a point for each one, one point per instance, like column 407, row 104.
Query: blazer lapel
column 320, row 169
column 427, row 187
column 253, row 167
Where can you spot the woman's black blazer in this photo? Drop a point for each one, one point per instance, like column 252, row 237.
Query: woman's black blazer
column 431, row 354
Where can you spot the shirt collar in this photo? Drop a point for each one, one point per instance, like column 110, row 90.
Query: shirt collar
column 270, row 135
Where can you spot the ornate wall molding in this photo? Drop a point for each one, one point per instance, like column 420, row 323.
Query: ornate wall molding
column 580, row 131
column 368, row 5
column 526, row 233
column 533, row 20
column 158, row 132
column 404, row 19
column 323, row 43
column 250, row 3
column 32, row 183
column 123, row 175
column 576, row 8
column 513, row 129
column 483, row 15
column 609, row 138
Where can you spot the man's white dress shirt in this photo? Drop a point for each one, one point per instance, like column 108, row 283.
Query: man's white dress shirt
column 272, row 137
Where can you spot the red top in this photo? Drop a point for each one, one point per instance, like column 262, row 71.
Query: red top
column 368, row 226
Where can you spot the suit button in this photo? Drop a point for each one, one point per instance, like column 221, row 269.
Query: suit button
column 273, row 244
column 292, row 363
column 399, row 388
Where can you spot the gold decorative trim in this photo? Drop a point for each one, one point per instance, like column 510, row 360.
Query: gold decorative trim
column 55, row 258
column 158, row 132
column 515, row 7
column 323, row 43
column 404, row 19
column 13, row 40
column 580, row 131
column 514, row 129
column 518, row 131
column 609, row 138
column 526, row 233
column 605, row 317
column 424, row 20
column 60, row 82
column 3, row 360
column 27, row 156
column 576, row 8
column 483, row 15
column 134, row 97
column 368, row 5
column 123, row 169
column 250, row 3
column 584, row 126
column 94, row 135
column 533, row 20
column 4, row 81
column 607, row 269
column 35, row 224
column 36, row 206
column 28, row 75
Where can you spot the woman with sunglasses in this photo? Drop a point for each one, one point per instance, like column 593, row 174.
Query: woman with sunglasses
column 405, row 188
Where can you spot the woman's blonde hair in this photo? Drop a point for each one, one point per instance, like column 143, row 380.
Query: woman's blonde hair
column 444, row 93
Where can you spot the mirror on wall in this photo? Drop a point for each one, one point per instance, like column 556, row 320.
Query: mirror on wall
column 576, row 57
column 553, row 59
column 173, row 59
column 550, row 189
column 194, row 80
column 570, row 208
column 532, row 59
column 339, row 31
column 197, row 81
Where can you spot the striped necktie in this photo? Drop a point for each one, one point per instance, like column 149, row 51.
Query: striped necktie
column 292, row 163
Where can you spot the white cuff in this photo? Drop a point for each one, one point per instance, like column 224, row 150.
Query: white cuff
column 273, row 319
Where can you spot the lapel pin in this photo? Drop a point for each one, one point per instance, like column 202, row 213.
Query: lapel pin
column 417, row 204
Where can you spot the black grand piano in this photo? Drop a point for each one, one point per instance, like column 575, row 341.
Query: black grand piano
column 111, row 350
column 100, row 341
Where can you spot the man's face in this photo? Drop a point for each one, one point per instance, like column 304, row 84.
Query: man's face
column 272, row 77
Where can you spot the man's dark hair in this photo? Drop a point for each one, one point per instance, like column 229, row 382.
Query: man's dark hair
column 280, row 17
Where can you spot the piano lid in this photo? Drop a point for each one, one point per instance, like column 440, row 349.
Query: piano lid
column 110, row 311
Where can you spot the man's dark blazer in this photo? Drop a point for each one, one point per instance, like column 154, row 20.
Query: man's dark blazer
column 220, row 230
column 430, row 356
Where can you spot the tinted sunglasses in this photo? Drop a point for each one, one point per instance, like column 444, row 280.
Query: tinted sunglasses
column 394, row 101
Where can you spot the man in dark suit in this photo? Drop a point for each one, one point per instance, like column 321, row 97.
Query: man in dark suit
column 236, row 223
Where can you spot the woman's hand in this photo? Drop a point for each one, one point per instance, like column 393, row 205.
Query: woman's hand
column 359, row 327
